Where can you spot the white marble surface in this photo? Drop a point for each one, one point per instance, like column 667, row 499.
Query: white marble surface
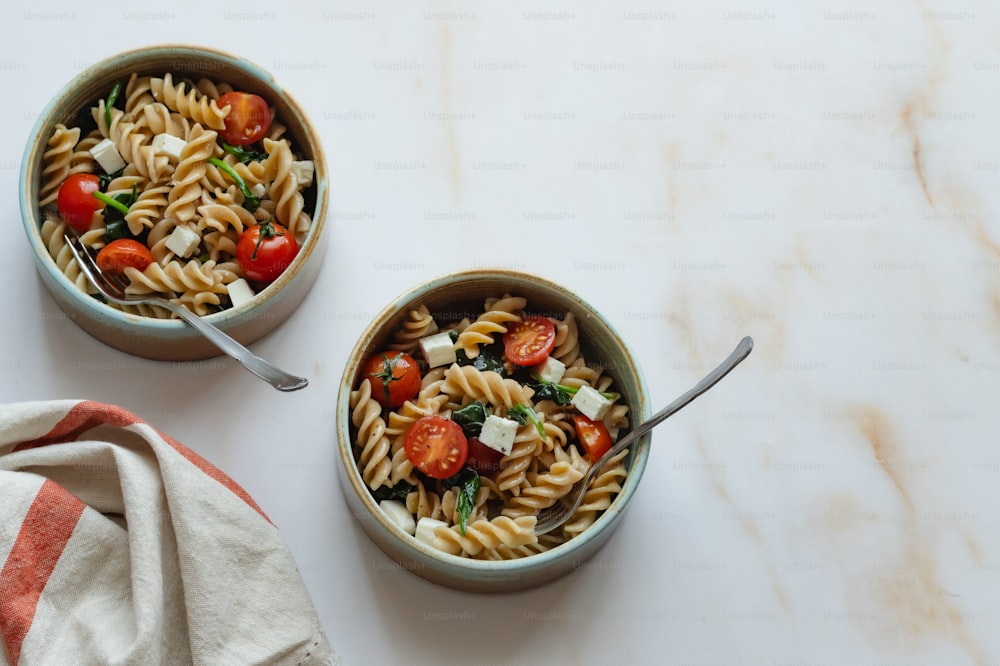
column 823, row 177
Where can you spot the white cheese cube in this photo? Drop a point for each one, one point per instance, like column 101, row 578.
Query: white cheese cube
column 591, row 403
column 259, row 190
column 183, row 241
column 438, row 349
column 397, row 512
column 239, row 292
column 499, row 433
column 107, row 156
column 303, row 172
column 425, row 530
column 169, row 145
column 551, row 371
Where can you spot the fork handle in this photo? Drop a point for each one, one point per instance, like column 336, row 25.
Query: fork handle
column 276, row 377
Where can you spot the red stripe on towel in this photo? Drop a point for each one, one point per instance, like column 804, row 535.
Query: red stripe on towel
column 82, row 417
column 87, row 414
column 46, row 529
column 215, row 473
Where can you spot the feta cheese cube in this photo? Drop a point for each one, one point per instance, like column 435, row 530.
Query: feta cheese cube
column 499, row 433
column 239, row 292
column 591, row 403
column 259, row 190
column 183, row 241
column 169, row 145
column 425, row 530
column 397, row 512
column 303, row 172
column 551, row 371
column 438, row 349
column 107, row 156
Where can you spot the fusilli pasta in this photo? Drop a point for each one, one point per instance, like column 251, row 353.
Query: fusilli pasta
column 489, row 513
column 171, row 194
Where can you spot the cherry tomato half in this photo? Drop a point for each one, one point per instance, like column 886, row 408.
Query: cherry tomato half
column 394, row 376
column 248, row 120
column 76, row 200
column 436, row 446
column 593, row 435
column 124, row 253
column 482, row 458
column 264, row 251
column 529, row 341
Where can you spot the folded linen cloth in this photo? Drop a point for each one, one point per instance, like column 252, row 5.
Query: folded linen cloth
column 119, row 545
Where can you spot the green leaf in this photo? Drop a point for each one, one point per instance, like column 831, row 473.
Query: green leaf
column 112, row 98
column 244, row 154
column 468, row 487
column 552, row 391
column 471, row 418
column 490, row 359
column 115, row 209
column 396, row 492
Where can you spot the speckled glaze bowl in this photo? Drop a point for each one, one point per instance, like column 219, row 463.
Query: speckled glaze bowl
column 172, row 339
column 465, row 292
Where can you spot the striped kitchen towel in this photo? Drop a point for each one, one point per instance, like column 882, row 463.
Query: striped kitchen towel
column 119, row 545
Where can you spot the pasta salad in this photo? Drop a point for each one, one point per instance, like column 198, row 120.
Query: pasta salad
column 190, row 189
column 465, row 430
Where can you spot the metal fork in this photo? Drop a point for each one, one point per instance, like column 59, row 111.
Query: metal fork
column 112, row 287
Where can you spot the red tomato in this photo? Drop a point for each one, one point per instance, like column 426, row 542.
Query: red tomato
column 124, row 253
column 264, row 251
column 529, row 341
column 76, row 200
column 436, row 446
column 395, row 378
column 248, row 120
column 482, row 458
column 593, row 435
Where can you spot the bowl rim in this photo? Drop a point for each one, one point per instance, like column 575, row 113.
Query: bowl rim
column 420, row 551
column 31, row 167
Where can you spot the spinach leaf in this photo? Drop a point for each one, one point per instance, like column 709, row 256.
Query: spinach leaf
column 244, row 154
column 471, row 418
column 112, row 98
column 468, row 487
column 114, row 213
column 396, row 492
column 490, row 358
column 551, row 391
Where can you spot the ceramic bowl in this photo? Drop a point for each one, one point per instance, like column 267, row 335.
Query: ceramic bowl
column 172, row 339
column 465, row 292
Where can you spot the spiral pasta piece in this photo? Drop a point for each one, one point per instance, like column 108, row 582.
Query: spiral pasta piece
column 466, row 383
column 284, row 190
column 423, row 503
column 184, row 195
column 514, row 466
column 147, row 208
column 491, row 322
column 598, row 496
column 175, row 277
column 138, row 94
column 366, row 417
column 57, row 161
column 486, row 534
column 567, row 342
column 419, row 323
column 195, row 105
column 544, row 489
